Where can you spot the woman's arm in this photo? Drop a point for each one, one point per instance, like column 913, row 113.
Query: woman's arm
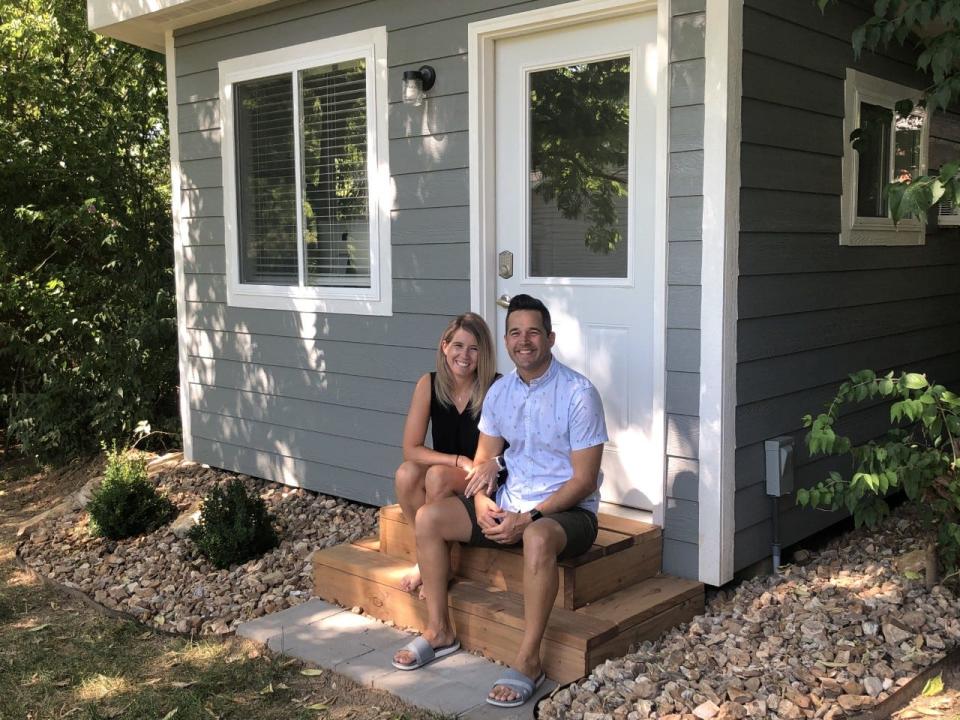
column 415, row 432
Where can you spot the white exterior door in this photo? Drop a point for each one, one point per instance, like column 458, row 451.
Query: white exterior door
column 574, row 197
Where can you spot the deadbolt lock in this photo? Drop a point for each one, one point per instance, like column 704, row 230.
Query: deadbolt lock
column 506, row 264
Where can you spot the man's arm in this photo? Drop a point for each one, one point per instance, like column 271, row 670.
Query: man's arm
column 586, row 471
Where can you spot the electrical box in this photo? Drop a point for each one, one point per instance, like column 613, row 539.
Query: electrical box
column 779, row 461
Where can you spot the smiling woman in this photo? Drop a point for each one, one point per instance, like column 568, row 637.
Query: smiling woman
column 449, row 401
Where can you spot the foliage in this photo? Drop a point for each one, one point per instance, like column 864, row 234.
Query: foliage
column 933, row 26
column 234, row 526
column 127, row 503
column 87, row 330
column 919, row 455
column 580, row 121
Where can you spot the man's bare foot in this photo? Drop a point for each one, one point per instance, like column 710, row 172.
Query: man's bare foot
column 436, row 640
column 505, row 693
column 412, row 580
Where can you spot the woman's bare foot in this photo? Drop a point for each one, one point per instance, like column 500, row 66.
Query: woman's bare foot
column 436, row 639
column 412, row 580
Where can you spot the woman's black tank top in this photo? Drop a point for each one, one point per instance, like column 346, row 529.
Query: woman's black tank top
column 453, row 432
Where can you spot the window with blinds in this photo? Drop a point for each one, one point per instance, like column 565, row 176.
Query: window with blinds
column 302, row 178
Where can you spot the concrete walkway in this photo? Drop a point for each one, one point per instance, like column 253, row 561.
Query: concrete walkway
column 362, row 649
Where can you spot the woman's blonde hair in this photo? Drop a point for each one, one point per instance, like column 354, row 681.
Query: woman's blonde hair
column 486, row 362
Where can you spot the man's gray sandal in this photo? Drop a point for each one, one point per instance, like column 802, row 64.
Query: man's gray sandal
column 424, row 653
column 520, row 684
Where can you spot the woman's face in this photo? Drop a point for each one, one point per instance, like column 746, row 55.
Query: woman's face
column 462, row 352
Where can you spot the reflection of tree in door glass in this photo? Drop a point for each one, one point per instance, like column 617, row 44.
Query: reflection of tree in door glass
column 579, row 147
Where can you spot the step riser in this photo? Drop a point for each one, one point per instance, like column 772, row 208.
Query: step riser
column 579, row 585
column 495, row 641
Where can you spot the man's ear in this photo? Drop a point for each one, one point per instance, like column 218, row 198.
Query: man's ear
column 551, row 339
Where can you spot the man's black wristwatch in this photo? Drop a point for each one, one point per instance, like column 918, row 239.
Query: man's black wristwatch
column 501, row 465
column 535, row 515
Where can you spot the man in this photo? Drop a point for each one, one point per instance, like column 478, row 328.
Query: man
column 552, row 417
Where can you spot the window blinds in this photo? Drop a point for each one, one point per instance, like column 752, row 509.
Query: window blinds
column 332, row 177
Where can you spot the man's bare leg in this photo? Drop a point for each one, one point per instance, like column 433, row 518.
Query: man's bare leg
column 543, row 541
column 438, row 524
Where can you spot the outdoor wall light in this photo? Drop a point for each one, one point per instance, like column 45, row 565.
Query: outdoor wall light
column 416, row 83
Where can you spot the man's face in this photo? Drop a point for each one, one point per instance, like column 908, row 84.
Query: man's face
column 528, row 343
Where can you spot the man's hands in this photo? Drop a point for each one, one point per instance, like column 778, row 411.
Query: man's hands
column 482, row 478
column 499, row 525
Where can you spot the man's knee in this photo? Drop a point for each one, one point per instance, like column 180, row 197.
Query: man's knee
column 543, row 541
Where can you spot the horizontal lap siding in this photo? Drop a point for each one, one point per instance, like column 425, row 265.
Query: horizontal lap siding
column 684, row 252
column 319, row 400
column 811, row 311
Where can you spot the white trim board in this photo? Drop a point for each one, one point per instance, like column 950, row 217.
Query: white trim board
column 718, row 311
column 481, row 37
column 180, row 281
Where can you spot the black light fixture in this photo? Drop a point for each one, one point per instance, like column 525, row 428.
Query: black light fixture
column 416, row 83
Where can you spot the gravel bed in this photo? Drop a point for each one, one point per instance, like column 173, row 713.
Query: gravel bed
column 837, row 632
column 162, row 580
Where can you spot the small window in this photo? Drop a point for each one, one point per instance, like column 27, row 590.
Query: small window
column 888, row 147
column 304, row 175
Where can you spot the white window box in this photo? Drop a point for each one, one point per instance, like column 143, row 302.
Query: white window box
column 890, row 146
column 306, row 179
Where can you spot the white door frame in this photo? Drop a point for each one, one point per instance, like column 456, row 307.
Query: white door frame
column 481, row 37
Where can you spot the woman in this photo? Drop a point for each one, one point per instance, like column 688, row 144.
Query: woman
column 450, row 400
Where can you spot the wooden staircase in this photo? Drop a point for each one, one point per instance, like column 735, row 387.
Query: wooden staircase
column 609, row 597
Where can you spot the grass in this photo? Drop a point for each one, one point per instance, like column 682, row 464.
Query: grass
column 60, row 658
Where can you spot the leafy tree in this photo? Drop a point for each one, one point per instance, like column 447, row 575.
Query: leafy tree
column 920, row 456
column 933, row 27
column 87, row 330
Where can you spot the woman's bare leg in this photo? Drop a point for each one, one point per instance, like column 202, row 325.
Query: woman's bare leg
column 410, row 489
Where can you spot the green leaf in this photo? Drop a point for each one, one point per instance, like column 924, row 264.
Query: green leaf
column 933, row 686
column 911, row 575
column 914, row 381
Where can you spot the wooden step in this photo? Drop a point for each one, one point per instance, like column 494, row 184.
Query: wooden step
column 490, row 620
column 626, row 552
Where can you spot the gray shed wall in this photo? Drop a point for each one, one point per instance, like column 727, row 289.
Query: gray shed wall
column 321, row 400
column 811, row 311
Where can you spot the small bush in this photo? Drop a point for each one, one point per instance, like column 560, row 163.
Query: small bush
column 126, row 503
column 234, row 526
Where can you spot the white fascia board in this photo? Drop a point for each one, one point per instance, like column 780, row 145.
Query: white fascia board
column 718, row 312
column 145, row 22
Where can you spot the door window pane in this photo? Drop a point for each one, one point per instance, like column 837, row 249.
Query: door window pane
column 266, row 178
column 579, row 157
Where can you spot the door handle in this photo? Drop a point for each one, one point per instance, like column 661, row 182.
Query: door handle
column 503, row 301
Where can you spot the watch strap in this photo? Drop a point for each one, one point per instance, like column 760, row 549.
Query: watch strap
column 535, row 515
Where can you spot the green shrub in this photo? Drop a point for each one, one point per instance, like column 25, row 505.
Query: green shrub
column 234, row 526
column 127, row 503
column 919, row 455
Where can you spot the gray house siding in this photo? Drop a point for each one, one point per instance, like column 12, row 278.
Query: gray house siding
column 684, row 251
column 320, row 400
column 811, row 311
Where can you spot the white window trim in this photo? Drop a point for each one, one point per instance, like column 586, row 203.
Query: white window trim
column 860, row 87
column 370, row 44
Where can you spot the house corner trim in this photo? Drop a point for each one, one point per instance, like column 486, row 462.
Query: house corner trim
column 718, row 312
column 179, row 277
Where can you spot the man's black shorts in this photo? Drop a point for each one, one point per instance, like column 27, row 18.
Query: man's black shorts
column 579, row 525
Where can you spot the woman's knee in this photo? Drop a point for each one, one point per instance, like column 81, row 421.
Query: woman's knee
column 437, row 483
column 409, row 477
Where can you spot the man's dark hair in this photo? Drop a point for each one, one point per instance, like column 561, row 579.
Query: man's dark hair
column 527, row 302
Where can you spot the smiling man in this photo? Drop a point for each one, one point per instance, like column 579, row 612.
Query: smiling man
column 552, row 417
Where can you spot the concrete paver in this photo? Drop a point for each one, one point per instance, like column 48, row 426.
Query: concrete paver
column 362, row 649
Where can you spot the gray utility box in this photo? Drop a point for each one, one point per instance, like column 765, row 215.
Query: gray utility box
column 778, row 453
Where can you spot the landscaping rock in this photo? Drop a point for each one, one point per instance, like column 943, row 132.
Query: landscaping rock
column 161, row 579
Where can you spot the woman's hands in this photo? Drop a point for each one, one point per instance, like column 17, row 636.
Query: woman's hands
column 482, row 478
